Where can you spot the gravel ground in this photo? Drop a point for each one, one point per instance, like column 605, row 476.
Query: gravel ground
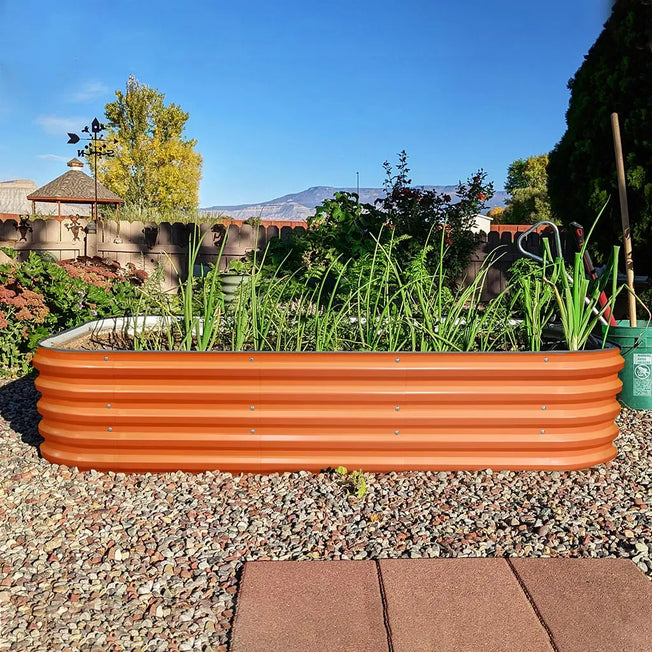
column 106, row 561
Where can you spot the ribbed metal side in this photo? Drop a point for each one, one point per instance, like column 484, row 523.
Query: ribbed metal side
column 265, row 412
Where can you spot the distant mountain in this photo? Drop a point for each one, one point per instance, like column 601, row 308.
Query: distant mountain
column 300, row 205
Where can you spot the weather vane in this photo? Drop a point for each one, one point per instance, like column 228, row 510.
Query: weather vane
column 95, row 147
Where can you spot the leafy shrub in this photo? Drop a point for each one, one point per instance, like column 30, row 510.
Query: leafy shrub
column 343, row 230
column 39, row 297
column 418, row 213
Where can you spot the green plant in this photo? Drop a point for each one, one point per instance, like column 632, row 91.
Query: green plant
column 534, row 297
column 578, row 298
column 354, row 482
column 385, row 308
column 417, row 212
column 342, row 229
column 39, row 296
column 527, row 185
column 240, row 266
column 371, row 303
column 344, row 234
column 194, row 322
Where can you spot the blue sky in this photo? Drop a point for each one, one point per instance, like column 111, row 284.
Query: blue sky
column 285, row 95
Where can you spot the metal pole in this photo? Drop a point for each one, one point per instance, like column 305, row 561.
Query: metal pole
column 95, row 167
column 624, row 214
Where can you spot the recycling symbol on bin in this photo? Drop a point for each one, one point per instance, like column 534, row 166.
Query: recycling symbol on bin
column 642, row 371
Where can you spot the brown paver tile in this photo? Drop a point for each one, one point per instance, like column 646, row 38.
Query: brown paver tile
column 309, row 607
column 459, row 604
column 591, row 604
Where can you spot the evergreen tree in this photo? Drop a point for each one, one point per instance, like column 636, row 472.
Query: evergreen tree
column 615, row 76
column 155, row 167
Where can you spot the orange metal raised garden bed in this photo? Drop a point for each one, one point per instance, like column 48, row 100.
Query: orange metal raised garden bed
column 265, row 412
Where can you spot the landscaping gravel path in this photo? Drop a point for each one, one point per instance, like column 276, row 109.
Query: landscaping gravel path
column 105, row 561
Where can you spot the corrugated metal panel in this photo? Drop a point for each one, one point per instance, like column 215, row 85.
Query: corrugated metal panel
column 265, row 412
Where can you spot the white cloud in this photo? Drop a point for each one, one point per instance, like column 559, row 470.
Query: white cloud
column 52, row 157
column 55, row 126
column 90, row 91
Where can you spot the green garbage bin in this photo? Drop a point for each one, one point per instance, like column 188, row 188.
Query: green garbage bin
column 636, row 347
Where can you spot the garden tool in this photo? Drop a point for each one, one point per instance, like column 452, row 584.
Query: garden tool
column 624, row 214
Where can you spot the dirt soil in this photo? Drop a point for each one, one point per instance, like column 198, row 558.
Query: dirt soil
column 101, row 342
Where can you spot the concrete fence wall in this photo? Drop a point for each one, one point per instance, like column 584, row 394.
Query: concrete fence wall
column 147, row 245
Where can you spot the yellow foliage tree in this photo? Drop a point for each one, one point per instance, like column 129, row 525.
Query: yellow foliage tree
column 154, row 166
column 496, row 214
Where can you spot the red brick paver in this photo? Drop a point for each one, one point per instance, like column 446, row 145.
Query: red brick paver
column 459, row 604
column 408, row 605
column 309, row 607
column 591, row 604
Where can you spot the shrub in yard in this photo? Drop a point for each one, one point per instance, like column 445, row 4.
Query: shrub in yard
column 344, row 229
column 420, row 213
column 39, row 297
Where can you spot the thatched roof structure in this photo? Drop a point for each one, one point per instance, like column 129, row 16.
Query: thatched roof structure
column 75, row 186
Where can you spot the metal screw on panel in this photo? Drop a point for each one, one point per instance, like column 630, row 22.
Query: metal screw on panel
column 108, row 405
column 397, row 408
column 545, row 359
column 251, row 359
column 396, row 432
column 543, row 432
column 252, row 430
column 398, row 359
column 106, row 357
column 110, row 429
column 543, row 407
column 251, row 407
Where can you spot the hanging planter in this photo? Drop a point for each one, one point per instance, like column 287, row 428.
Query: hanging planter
column 264, row 412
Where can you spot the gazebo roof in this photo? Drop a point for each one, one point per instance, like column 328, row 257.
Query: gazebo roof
column 75, row 186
